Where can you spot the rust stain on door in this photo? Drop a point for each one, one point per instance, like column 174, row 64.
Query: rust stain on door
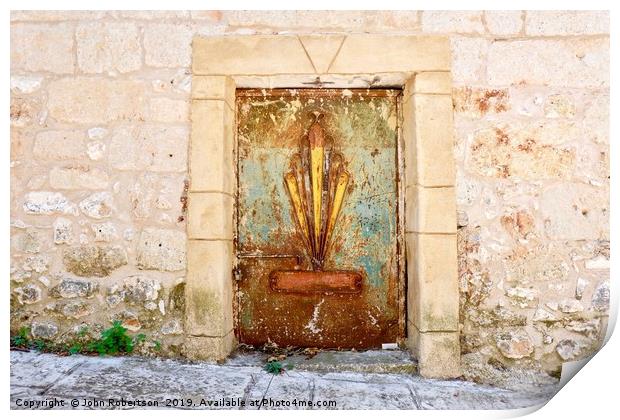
column 318, row 229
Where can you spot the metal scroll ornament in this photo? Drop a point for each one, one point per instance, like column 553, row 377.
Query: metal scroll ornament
column 317, row 183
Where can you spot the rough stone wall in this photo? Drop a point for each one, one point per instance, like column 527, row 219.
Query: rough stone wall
column 99, row 134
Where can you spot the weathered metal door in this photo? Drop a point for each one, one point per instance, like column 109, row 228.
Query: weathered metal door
column 319, row 262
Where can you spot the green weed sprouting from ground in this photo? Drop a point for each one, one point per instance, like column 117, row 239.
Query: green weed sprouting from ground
column 22, row 338
column 75, row 348
column 78, row 345
column 112, row 341
column 39, row 345
column 274, row 367
column 83, row 331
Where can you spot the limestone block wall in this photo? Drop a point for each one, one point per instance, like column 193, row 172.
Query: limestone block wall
column 99, row 134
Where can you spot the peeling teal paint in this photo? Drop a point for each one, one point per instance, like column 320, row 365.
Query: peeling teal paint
column 262, row 192
column 364, row 131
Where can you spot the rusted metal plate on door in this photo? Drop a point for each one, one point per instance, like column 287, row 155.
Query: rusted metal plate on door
column 317, row 218
column 326, row 282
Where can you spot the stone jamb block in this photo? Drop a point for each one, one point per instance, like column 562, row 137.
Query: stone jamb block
column 211, row 160
column 409, row 137
column 433, row 131
column 430, row 210
column 214, row 87
column 209, row 348
column 438, row 353
column 433, row 293
column 208, row 289
column 210, row 216
column 433, row 82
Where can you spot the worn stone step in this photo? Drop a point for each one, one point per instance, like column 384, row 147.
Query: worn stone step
column 370, row 361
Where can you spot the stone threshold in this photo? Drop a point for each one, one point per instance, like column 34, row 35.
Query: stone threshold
column 370, row 361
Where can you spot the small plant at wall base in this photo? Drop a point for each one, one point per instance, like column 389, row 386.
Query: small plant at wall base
column 22, row 338
column 112, row 341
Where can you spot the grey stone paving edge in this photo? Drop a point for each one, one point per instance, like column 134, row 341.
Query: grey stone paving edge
column 43, row 377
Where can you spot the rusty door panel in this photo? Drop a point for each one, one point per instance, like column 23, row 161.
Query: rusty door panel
column 317, row 218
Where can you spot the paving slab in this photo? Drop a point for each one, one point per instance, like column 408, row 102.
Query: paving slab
column 153, row 379
column 279, row 391
column 43, row 381
column 356, row 395
column 462, row 395
column 36, row 372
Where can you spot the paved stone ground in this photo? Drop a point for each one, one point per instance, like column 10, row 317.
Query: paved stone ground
column 41, row 378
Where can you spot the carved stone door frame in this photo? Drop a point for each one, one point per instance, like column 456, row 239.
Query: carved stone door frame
column 420, row 65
